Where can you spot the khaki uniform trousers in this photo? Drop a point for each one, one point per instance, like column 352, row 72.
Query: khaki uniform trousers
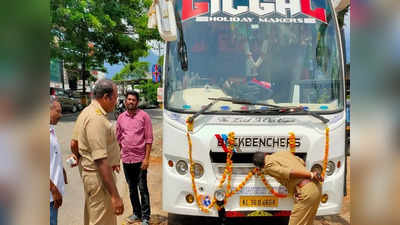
column 98, row 208
column 85, row 212
column 304, row 210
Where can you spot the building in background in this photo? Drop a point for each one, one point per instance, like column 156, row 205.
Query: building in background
column 57, row 78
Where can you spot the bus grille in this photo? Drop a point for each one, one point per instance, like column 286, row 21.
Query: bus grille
column 220, row 157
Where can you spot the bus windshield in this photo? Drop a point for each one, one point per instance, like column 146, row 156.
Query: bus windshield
column 274, row 53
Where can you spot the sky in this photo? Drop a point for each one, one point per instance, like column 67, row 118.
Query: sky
column 113, row 69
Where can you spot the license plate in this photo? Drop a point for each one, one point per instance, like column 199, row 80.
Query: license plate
column 258, row 201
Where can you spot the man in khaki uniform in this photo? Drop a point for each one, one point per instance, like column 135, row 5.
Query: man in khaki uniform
column 290, row 171
column 114, row 160
column 99, row 152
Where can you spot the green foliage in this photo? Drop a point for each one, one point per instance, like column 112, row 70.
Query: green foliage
column 149, row 90
column 116, row 29
column 160, row 61
column 132, row 71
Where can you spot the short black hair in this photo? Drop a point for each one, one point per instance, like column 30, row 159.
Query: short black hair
column 134, row 93
column 102, row 87
column 258, row 159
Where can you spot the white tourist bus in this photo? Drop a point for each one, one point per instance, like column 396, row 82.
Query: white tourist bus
column 261, row 70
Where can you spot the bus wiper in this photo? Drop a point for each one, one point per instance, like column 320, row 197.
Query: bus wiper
column 244, row 102
column 181, row 45
column 299, row 110
column 284, row 110
column 215, row 100
column 191, row 119
column 273, row 108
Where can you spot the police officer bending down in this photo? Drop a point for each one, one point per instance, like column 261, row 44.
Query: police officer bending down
column 290, row 171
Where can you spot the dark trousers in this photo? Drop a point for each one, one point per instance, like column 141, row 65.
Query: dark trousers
column 53, row 214
column 135, row 177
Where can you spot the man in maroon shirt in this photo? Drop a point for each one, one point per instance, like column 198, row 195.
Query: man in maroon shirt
column 135, row 137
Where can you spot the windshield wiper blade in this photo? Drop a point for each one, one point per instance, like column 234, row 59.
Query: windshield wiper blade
column 258, row 111
column 313, row 114
column 244, row 102
column 191, row 119
column 274, row 108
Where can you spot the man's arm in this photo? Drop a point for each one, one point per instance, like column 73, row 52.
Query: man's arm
column 105, row 172
column 274, row 169
column 74, row 140
column 145, row 163
column 148, row 138
column 118, row 134
column 306, row 175
column 74, row 148
column 57, row 197
column 75, row 151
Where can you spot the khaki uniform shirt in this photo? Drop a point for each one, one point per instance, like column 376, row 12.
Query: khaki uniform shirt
column 77, row 127
column 96, row 137
column 279, row 164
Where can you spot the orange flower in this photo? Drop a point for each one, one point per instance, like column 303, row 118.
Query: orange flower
column 292, row 142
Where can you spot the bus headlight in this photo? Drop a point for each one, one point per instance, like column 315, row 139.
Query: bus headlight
column 330, row 168
column 316, row 168
column 181, row 167
column 198, row 170
column 219, row 196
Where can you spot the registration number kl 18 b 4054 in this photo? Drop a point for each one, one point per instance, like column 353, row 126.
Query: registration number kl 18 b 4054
column 259, row 201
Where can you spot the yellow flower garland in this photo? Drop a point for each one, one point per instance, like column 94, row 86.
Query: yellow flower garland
column 292, row 142
column 325, row 162
column 228, row 169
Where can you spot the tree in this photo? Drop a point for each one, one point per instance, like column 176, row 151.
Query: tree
column 160, row 61
column 86, row 33
column 149, row 91
column 135, row 71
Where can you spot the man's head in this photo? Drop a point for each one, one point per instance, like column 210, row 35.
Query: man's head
column 131, row 100
column 55, row 112
column 105, row 92
column 258, row 159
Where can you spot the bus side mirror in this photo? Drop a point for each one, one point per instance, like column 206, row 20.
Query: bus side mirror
column 162, row 15
column 339, row 5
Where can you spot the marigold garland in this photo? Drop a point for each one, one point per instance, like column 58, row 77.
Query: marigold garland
column 269, row 187
column 189, row 123
column 325, row 162
column 292, row 142
column 196, row 195
column 231, row 143
column 228, row 168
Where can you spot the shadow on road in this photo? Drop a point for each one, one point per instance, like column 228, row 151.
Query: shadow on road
column 335, row 219
column 174, row 219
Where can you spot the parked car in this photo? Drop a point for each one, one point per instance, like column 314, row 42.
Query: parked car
column 68, row 101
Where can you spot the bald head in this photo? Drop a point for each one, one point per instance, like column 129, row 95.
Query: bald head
column 55, row 111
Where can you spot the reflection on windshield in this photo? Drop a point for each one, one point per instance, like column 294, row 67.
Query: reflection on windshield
column 276, row 63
